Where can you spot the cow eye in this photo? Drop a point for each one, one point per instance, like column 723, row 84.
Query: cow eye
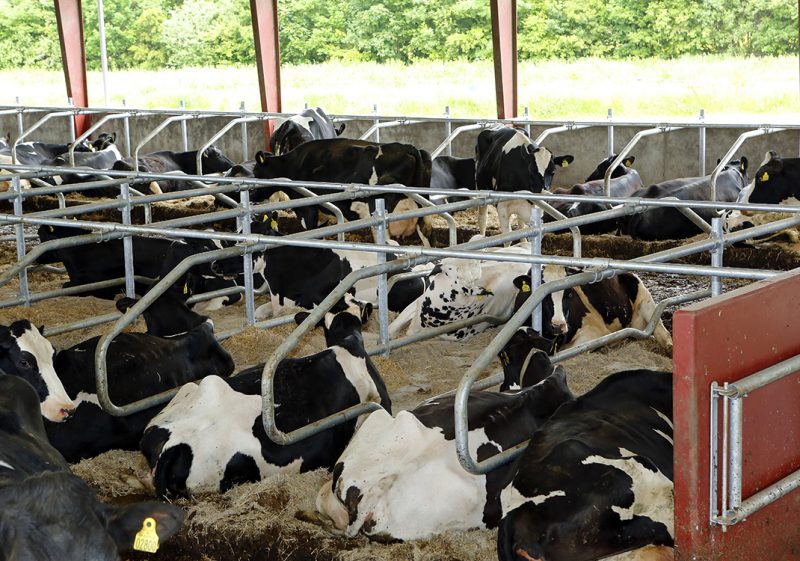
column 23, row 364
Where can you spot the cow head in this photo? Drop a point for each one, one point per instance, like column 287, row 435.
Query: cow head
column 343, row 320
column 214, row 161
column 26, row 353
column 600, row 171
column 525, row 359
column 542, row 166
column 167, row 316
column 556, row 307
column 775, row 182
column 103, row 141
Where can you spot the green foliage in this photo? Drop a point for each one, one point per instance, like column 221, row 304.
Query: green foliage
column 153, row 34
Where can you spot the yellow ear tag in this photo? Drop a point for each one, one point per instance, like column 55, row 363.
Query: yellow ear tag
column 274, row 225
column 147, row 538
column 628, row 163
column 564, row 164
column 525, row 287
column 265, row 218
column 51, row 229
column 765, row 177
column 186, row 288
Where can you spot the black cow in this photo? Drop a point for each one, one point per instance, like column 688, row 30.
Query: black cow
column 104, row 260
column 26, row 353
column 601, row 169
column 310, row 124
column 668, row 223
column 234, row 447
column 525, row 359
column 625, row 182
column 596, row 479
column 583, row 313
column 394, row 465
column 41, row 153
column 48, row 513
column 342, row 160
column 213, row 161
column 507, row 159
column 138, row 365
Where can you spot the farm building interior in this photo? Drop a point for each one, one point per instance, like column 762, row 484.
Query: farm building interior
column 614, row 347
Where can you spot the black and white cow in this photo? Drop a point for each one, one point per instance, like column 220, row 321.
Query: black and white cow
column 310, row 124
column 399, row 477
column 304, row 276
column 668, row 223
column 583, row 313
column 26, row 353
column 213, row 161
column 508, row 160
column 211, row 435
column 596, row 478
column 105, row 260
column 343, row 160
column 50, row 514
column 625, row 181
column 463, row 288
column 600, row 171
column 180, row 347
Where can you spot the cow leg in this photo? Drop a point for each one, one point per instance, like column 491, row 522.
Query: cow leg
column 643, row 309
column 264, row 311
column 483, row 217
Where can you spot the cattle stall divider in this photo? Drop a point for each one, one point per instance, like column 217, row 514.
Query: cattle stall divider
column 660, row 129
column 764, row 130
column 68, row 113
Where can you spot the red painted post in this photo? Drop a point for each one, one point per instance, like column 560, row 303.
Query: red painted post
column 724, row 340
column 268, row 58
column 69, row 17
column 504, row 44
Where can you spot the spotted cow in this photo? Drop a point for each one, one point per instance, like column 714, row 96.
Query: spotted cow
column 596, row 478
column 310, row 124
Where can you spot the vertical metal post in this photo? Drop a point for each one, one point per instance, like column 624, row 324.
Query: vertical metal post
column 71, row 121
column 127, row 242
column 449, row 126
column 716, row 255
column 126, row 125
column 735, row 457
column 714, row 451
column 184, row 130
column 383, row 293
column 527, row 115
column 101, row 21
column 245, row 148
column 610, row 118
column 249, row 304
column 536, row 268
column 20, row 123
column 377, row 130
column 264, row 15
column 702, row 142
column 19, row 231
column 725, row 464
column 504, row 49
column 69, row 18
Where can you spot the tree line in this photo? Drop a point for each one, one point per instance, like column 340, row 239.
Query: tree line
column 154, row 34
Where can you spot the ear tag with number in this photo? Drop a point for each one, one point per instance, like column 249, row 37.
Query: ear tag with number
column 147, row 538
column 765, row 177
column 525, row 286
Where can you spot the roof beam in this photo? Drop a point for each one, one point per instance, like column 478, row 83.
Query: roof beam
column 268, row 57
column 69, row 17
column 504, row 43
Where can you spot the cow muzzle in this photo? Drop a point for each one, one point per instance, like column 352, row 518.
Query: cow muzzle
column 57, row 412
column 560, row 327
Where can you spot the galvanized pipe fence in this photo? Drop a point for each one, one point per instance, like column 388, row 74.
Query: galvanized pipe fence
column 596, row 269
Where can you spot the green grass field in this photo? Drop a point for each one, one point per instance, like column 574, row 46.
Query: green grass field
column 749, row 89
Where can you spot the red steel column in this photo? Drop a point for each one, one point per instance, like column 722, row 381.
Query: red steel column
column 268, row 57
column 69, row 17
column 504, row 43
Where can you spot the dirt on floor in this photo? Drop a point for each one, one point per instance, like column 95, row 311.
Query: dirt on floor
column 258, row 521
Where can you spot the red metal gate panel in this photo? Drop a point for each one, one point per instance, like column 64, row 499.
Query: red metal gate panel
column 724, row 340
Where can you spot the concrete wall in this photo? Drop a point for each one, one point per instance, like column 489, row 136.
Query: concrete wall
column 666, row 156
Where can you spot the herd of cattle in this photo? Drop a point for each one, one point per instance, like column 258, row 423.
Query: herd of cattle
column 594, row 480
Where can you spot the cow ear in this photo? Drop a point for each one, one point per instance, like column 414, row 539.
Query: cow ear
column 563, row 161
column 125, row 303
column 300, row 317
column 743, row 164
column 127, row 523
column 366, row 312
column 523, row 283
column 572, row 270
column 629, row 161
column 113, row 136
column 261, row 157
column 340, row 130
